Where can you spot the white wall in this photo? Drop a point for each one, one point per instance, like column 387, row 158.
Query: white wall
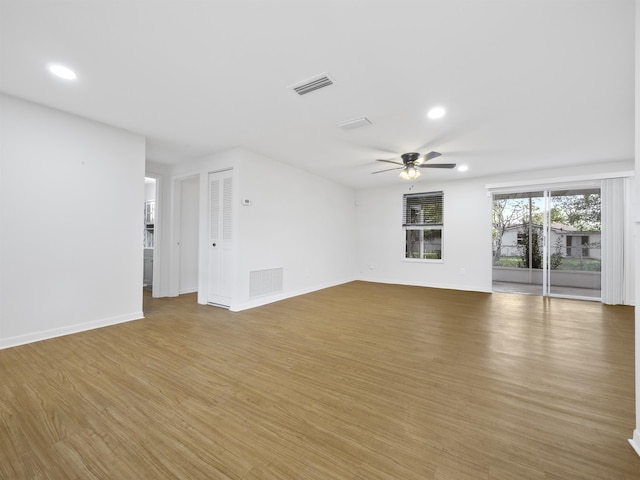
column 298, row 221
column 71, row 197
column 466, row 263
column 466, row 242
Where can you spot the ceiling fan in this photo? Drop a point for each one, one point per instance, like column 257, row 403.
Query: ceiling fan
column 411, row 162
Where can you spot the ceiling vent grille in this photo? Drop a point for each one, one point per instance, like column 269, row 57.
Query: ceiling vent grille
column 312, row 84
column 354, row 123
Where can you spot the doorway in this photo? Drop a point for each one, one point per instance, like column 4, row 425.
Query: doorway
column 149, row 243
column 547, row 242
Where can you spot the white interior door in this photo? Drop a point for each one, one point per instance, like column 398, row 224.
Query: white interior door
column 220, row 237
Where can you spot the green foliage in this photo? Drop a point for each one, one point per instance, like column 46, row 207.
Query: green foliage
column 424, row 210
column 580, row 211
column 504, row 214
column 556, row 257
column 580, row 264
column 567, row 263
column 530, row 249
column 510, row 262
column 557, row 216
column 432, row 212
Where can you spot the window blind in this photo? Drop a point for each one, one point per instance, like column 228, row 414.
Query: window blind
column 422, row 209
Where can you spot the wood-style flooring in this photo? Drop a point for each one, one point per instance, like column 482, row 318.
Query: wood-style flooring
column 362, row 381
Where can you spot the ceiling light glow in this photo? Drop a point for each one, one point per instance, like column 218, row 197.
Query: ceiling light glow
column 436, row 112
column 410, row 173
column 463, row 168
column 62, row 72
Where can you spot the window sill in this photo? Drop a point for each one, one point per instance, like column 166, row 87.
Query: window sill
column 422, row 260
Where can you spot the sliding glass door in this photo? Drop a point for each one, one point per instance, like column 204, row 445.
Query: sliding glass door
column 573, row 231
column 517, row 234
column 547, row 242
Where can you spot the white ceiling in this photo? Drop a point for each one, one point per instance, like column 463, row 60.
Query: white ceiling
column 527, row 84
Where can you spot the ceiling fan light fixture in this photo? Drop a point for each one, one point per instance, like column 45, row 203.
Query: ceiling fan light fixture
column 410, row 173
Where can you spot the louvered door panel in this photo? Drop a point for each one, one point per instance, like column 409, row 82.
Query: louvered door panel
column 220, row 237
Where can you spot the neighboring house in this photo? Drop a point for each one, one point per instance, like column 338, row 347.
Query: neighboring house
column 571, row 241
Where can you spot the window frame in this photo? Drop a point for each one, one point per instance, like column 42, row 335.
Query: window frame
column 413, row 222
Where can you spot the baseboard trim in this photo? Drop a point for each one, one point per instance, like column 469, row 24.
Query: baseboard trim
column 258, row 302
column 635, row 441
column 68, row 330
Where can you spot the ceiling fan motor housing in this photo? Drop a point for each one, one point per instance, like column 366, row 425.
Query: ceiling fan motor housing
column 408, row 158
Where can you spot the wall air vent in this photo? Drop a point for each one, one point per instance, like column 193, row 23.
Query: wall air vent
column 265, row 282
column 312, row 84
column 354, row 123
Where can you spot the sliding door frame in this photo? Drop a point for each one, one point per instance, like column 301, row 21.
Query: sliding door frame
column 547, row 189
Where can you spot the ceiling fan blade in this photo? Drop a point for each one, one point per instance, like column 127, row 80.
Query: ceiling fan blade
column 427, row 156
column 438, row 165
column 388, row 170
column 432, row 155
column 391, row 161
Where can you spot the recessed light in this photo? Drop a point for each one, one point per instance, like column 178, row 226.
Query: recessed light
column 436, row 112
column 62, row 72
column 463, row 168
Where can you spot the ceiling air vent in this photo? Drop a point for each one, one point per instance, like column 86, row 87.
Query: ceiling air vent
column 312, row 84
column 354, row 123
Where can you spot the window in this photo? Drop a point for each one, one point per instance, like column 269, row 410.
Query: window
column 422, row 222
column 577, row 246
column 585, row 246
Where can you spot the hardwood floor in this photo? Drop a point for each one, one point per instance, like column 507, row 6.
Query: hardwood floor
column 360, row 381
